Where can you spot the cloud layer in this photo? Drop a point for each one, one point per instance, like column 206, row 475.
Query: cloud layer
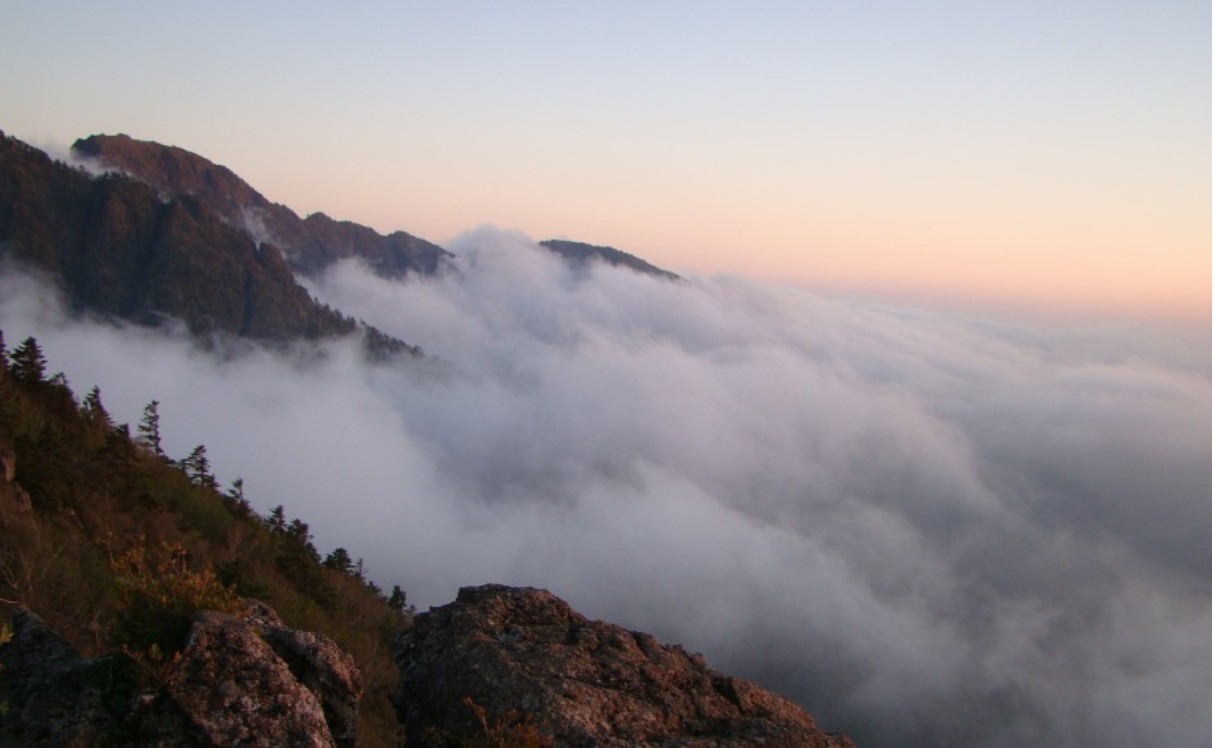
column 927, row 529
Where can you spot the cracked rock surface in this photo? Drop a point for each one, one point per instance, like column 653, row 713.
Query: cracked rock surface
column 523, row 656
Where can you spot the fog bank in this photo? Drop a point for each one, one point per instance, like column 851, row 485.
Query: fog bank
column 928, row 529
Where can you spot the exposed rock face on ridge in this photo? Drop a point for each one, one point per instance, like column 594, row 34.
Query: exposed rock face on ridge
column 241, row 680
column 310, row 244
column 524, row 654
column 119, row 250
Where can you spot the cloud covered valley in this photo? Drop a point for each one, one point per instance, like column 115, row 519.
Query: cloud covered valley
column 928, row 529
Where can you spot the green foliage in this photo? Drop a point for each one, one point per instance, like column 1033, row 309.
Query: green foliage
column 299, row 561
column 276, row 521
column 212, row 519
column 198, row 467
column 157, row 597
column 123, row 544
column 339, row 560
column 28, row 364
column 94, row 412
column 235, row 501
column 149, row 428
column 242, row 576
column 396, row 600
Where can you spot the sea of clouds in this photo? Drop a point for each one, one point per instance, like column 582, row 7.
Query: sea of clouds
column 926, row 528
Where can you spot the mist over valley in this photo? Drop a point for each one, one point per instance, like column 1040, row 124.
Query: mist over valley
column 923, row 527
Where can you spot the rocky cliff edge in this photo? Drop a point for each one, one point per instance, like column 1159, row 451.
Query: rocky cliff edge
column 519, row 664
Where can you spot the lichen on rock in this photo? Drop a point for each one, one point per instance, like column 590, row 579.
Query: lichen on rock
column 497, row 651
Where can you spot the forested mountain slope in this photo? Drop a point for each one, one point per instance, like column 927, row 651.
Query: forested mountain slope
column 119, row 249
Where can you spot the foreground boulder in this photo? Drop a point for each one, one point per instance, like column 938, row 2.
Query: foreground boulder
column 521, row 665
column 240, row 680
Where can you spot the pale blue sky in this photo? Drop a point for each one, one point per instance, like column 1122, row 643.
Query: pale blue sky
column 1041, row 153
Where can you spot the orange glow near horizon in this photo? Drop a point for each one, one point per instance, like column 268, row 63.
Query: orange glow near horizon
column 1120, row 270
column 982, row 155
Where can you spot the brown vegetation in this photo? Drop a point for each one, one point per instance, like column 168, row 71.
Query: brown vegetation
column 115, row 546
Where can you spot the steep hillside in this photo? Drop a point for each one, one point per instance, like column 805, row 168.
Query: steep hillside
column 115, row 545
column 121, row 250
column 310, row 244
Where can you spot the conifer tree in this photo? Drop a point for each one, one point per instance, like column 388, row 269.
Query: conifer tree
column 301, row 536
column 149, row 429
column 235, row 498
column 397, row 599
column 3, row 355
column 198, row 468
column 94, row 412
column 28, row 365
column 276, row 523
column 339, row 560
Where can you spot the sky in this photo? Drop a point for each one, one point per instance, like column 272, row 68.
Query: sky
column 812, row 460
column 1032, row 156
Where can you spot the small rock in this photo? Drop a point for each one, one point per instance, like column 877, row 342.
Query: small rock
column 237, row 691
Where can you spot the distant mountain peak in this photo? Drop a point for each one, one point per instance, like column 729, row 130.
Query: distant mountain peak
column 310, row 244
column 171, row 170
column 581, row 253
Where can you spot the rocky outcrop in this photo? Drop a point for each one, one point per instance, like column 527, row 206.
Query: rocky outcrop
column 240, row 680
column 310, row 244
column 326, row 671
column 500, row 658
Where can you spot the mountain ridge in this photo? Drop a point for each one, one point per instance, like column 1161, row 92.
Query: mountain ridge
column 581, row 253
column 119, row 249
column 313, row 243
column 310, row 244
